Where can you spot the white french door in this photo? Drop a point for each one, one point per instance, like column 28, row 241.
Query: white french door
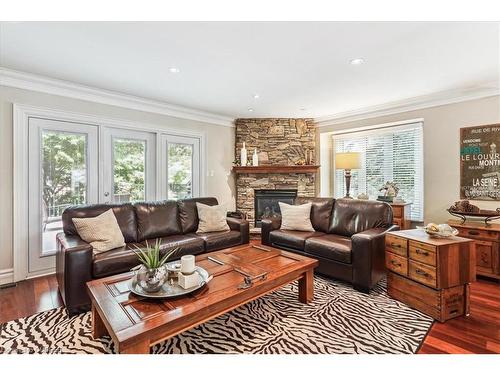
column 180, row 167
column 62, row 171
column 71, row 163
column 128, row 165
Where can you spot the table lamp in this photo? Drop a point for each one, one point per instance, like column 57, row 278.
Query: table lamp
column 347, row 161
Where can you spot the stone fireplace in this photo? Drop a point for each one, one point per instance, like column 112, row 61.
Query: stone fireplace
column 283, row 142
column 266, row 202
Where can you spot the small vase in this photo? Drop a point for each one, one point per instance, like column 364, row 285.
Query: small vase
column 243, row 156
column 151, row 280
column 255, row 159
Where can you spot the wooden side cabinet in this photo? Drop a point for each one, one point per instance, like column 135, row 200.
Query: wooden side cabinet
column 487, row 239
column 430, row 274
column 401, row 213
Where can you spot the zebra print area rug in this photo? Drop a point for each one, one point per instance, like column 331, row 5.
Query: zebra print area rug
column 340, row 320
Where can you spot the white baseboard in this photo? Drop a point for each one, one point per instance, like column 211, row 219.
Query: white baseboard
column 6, row 276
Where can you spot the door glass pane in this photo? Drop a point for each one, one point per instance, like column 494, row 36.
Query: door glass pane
column 129, row 168
column 64, row 180
column 180, row 170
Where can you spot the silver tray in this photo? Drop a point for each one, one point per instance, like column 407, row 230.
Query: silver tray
column 170, row 289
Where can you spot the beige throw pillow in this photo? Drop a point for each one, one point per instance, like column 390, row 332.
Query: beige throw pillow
column 211, row 218
column 102, row 232
column 296, row 217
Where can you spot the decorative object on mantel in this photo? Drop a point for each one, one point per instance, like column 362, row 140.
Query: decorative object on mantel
column 391, row 191
column 347, row 161
column 363, row 196
column 243, row 155
column 276, row 169
column 263, row 158
column 463, row 208
column 300, row 162
column 236, row 162
column 480, row 162
column 255, row 158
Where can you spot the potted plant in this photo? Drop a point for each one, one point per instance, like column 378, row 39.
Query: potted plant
column 151, row 275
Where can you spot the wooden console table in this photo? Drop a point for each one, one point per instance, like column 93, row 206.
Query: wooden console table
column 430, row 274
column 487, row 238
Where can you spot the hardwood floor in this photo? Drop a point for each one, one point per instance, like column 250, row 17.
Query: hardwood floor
column 477, row 333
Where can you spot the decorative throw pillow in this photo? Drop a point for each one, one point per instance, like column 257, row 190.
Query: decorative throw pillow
column 296, row 217
column 102, row 232
column 211, row 218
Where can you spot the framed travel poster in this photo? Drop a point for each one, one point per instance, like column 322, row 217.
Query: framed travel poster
column 480, row 162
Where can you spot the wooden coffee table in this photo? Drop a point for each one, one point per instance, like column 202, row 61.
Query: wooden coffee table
column 135, row 323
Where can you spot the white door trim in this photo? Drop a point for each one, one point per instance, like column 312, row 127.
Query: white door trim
column 21, row 115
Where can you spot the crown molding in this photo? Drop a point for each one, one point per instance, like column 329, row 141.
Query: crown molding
column 411, row 104
column 33, row 82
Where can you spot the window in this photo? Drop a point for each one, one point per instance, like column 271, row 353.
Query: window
column 389, row 154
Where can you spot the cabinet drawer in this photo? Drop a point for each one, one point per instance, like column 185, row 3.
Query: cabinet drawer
column 396, row 263
column 423, row 255
column 423, row 246
column 484, row 254
column 397, row 212
column 396, row 245
column 422, row 273
column 478, row 234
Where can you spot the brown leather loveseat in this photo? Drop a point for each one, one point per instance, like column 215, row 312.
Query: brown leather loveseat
column 348, row 240
column 173, row 222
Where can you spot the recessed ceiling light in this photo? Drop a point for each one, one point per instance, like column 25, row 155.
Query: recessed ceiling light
column 256, row 96
column 357, row 61
column 302, row 108
column 250, row 109
column 173, row 69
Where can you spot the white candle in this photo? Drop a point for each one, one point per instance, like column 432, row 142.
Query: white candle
column 187, row 264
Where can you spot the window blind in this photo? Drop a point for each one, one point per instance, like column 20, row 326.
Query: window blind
column 388, row 154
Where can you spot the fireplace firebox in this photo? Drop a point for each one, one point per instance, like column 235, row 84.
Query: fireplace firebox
column 266, row 202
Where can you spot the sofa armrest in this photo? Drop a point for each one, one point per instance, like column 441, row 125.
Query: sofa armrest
column 368, row 257
column 268, row 225
column 73, row 269
column 242, row 226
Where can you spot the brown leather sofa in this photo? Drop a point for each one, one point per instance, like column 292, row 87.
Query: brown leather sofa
column 173, row 222
column 348, row 240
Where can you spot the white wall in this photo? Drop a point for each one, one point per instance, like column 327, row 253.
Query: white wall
column 220, row 150
column 441, row 150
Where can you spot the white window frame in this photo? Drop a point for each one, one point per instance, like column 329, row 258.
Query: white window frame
column 376, row 129
column 21, row 115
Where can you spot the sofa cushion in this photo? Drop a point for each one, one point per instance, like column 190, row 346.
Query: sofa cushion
column 101, row 232
column 123, row 259
column 211, row 218
column 321, row 211
column 351, row 216
column 330, row 246
column 114, row 261
column 124, row 213
column 157, row 219
column 220, row 240
column 292, row 238
column 188, row 213
column 296, row 217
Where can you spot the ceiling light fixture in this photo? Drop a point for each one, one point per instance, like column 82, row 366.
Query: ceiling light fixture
column 174, row 70
column 357, row 61
column 250, row 109
column 256, row 96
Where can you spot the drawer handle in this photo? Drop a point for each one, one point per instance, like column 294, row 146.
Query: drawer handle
column 394, row 263
column 421, row 252
column 474, row 233
column 423, row 273
column 393, row 244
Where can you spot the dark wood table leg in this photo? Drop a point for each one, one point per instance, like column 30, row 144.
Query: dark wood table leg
column 306, row 287
column 98, row 327
column 141, row 347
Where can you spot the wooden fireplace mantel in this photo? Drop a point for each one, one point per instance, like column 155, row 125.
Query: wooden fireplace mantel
column 277, row 169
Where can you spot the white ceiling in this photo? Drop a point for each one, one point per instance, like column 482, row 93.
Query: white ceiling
column 290, row 65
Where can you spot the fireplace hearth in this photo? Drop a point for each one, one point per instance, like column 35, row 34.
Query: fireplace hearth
column 266, row 202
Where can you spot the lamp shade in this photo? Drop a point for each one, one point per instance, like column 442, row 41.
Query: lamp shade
column 348, row 160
